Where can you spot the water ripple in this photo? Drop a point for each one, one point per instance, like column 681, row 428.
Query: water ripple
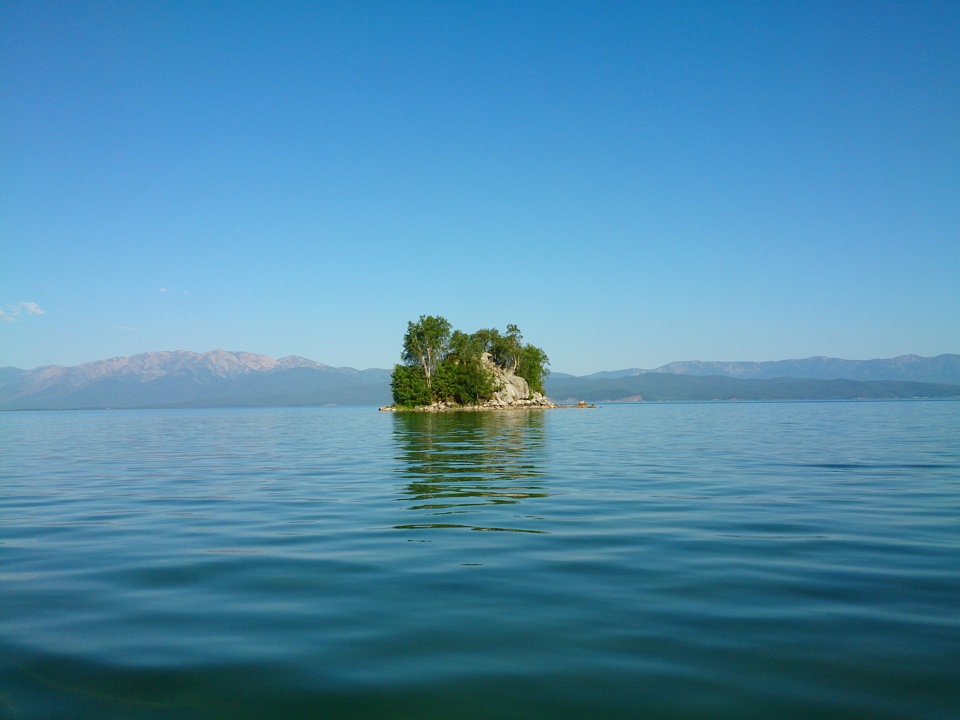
column 751, row 560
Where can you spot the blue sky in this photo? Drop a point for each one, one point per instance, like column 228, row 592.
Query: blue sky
column 630, row 183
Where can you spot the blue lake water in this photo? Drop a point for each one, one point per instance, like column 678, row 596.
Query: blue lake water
column 716, row 560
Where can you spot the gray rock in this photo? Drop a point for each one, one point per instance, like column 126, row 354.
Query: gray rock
column 511, row 388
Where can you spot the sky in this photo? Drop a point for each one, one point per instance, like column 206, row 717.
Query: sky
column 631, row 183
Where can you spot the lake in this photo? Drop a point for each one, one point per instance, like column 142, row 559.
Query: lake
column 711, row 560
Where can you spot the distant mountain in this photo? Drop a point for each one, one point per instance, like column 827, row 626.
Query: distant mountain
column 188, row 379
column 669, row 386
column 939, row 369
column 226, row 379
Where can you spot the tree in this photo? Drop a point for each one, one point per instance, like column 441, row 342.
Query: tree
column 426, row 343
column 506, row 349
column 464, row 382
column 461, row 376
column 409, row 386
column 532, row 367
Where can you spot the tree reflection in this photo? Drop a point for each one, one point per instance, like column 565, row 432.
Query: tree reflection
column 473, row 464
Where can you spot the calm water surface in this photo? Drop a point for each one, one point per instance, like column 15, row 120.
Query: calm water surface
column 727, row 560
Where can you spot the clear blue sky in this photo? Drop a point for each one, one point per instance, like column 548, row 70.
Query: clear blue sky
column 631, row 183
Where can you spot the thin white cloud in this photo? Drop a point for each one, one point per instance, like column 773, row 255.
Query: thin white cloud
column 164, row 290
column 31, row 308
column 12, row 313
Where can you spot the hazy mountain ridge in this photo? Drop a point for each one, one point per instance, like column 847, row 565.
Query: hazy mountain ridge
column 671, row 386
column 182, row 378
column 221, row 378
column 939, row 369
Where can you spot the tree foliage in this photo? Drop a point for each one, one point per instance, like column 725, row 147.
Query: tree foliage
column 409, row 386
column 532, row 367
column 440, row 365
column 426, row 343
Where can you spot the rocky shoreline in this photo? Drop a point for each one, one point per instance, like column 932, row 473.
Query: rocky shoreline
column 537, row 402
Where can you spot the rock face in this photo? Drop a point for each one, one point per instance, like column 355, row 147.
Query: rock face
column 511, row 388
column 512, row 391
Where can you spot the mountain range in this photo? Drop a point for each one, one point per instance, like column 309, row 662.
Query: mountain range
column 221, row 378
column 939, row 369
column 187, row 379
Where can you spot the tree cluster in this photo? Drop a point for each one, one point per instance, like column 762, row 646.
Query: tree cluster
column 445, row 365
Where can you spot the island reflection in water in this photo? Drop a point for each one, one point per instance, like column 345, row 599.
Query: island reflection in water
column 470, row 470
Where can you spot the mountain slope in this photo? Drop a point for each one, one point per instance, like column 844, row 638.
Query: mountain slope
column 187, row 379
column 667, row 386
column 939, row 369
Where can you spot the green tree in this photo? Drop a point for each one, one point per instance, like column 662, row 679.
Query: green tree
column 426, row 344
column 463, row 346
column 409, row 386
column 465, row 382
column 461, row 377
column 507, row 348
column 485, row 338
column 532, row 367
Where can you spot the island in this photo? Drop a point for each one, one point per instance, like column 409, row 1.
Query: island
column 445, row 369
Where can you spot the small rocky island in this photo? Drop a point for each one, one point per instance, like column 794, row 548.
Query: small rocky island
column 445, row 369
